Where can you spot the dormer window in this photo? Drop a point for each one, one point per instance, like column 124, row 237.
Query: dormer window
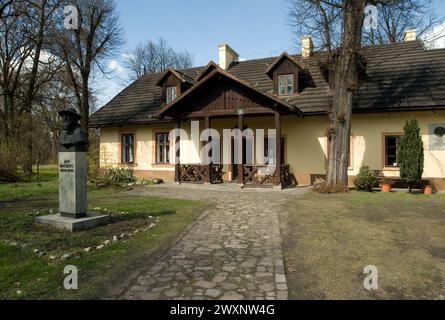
column 286, row 84
column 171, row 94
column 284, row 73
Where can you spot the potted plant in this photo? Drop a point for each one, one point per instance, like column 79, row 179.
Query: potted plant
column 386, row 185
column 429, row 189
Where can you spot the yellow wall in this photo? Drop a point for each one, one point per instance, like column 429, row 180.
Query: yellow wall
column 305, row 142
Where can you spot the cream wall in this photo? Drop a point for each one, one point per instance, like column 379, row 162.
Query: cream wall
column 144, row 147
column 305, row 142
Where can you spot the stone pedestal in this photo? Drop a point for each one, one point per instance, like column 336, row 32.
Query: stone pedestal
column 73, row 184
column 90, row 221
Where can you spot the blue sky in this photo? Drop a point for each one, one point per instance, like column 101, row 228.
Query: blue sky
column 254, row 28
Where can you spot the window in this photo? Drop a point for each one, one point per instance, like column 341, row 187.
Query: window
column 127, row 148
column 286, row 85
column 162, row 148
column 391, row 146
column 171, row 94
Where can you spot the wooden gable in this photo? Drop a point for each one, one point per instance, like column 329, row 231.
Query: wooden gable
column 219, row 97
column 220, row 94
column 211, row 66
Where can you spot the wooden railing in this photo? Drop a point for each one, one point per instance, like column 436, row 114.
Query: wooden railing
column 259, row 175
column 216, row 174
column 253, row 174
column 197, row 173
column 266, row 175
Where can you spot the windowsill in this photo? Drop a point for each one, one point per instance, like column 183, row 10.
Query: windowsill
column 129, row 164
column 391, row 169
column 162, row 165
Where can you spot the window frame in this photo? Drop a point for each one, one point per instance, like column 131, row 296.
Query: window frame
column 133, row 147
column 286, row 77
column 167, row 94
column 385, row 137
column 164, row 144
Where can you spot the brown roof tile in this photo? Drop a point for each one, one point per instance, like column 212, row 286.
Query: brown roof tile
column 401, row 76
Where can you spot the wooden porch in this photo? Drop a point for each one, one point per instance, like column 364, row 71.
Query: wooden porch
column 253, row 175
column 218, row 95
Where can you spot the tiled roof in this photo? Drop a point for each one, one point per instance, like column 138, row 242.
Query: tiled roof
column 401, row 76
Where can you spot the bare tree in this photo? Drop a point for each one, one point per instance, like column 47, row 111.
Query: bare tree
column 339, row 23
column 23, row 71
column 15, row 50
column 4, row 7
column 323, row 20
column 399, row 16
column 86, row 48
column 40, row 16
column 152, row 57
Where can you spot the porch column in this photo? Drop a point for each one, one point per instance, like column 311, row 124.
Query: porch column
column 278, row 149
column 178, row 155
column 241, row 166
column 208, row 177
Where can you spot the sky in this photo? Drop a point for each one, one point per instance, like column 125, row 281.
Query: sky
column 254, row 28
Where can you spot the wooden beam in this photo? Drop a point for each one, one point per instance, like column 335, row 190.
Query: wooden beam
column 178, row 155
column 241, row 166
column 278, row 148
column 208, row 177
column 225, row 113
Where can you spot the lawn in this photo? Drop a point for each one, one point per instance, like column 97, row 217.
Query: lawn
column 31, row 265
column 45, row 183
column 329, row 239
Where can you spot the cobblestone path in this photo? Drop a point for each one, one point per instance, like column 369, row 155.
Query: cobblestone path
column 232, row 253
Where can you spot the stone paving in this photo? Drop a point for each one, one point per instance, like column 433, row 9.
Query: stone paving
column 233, row 252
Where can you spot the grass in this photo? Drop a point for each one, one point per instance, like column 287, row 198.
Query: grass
column 329, row 239
column 24, row 275
column 43, row 184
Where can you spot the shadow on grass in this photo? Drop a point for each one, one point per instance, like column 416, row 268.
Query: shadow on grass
column 141, row 215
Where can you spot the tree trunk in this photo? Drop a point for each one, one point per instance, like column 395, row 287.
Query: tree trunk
column 344, row 83
column 29, row 98
column 85, row 102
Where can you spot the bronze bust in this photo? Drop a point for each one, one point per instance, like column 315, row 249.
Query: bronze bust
column 72, row 137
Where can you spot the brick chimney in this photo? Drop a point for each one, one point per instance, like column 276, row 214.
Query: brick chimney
column 226, row 56
column 307, row 46
column 410, row 35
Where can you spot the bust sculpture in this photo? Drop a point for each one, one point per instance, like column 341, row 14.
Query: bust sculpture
column 72, row 137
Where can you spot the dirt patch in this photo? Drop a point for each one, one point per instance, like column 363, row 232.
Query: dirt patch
column 329, row 239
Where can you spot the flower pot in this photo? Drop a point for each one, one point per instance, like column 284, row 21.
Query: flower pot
column 429, row 189
column 386, row 187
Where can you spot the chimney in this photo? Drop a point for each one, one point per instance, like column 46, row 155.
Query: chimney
column 307, row 46
column 410, row 35
column 226, row 56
